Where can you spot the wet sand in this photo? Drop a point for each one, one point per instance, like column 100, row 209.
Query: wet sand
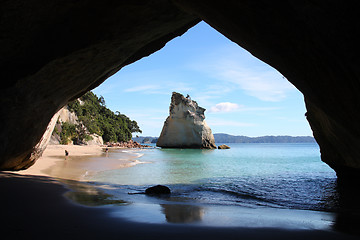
column 34, row 207
column 54, row 154
column 81, row 162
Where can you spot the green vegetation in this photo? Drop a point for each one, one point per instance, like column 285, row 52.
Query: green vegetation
column 68, row 133
column 73, row 132
column 95, row 117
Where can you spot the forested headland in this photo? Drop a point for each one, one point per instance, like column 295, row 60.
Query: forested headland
column 94, row 118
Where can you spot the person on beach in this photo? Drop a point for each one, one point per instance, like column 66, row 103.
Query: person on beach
column 66, row 154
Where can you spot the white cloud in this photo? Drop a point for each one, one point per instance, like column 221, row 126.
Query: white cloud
column 242, row 71
column 224, row 107
column 266, row 85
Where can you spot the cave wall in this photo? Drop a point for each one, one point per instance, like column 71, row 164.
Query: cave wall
column 54, row 51
column 314, row 44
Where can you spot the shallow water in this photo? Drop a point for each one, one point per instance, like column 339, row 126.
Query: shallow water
column 248, row 175
column 249, row 185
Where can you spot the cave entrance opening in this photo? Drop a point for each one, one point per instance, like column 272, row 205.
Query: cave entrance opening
column 242, row 95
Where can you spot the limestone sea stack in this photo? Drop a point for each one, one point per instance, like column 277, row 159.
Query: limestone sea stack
column 185, row 127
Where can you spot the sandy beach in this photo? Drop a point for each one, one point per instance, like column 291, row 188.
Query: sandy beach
column 55, row 153
column 80, row 162
column 34, row 207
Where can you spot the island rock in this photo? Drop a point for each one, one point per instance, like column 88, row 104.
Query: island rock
column 223, row 146
column 185, row 127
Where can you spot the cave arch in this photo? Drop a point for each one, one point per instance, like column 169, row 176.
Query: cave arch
column 53, row 52
column 220, row 75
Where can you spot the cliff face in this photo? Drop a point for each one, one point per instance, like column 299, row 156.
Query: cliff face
column 66, row 116
column 185, row 127
column 53, row 52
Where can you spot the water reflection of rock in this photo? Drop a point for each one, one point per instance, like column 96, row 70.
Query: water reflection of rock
column 176, row 213
column 89, row 195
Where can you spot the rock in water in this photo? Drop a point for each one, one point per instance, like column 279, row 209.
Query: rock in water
column 223, row 146
column 185, row 127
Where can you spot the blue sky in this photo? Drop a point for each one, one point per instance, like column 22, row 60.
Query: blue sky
column 242, row 95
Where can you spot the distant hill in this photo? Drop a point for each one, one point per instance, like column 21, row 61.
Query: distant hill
column 145, row 139
column 227, row 138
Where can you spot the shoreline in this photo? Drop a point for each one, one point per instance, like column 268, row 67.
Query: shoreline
column 80, row 162
column 56, row 153
column 37, row 207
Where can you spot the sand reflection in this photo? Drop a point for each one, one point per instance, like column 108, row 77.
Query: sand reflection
column 178, row 213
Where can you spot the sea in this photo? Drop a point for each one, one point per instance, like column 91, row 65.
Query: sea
column 259, row 185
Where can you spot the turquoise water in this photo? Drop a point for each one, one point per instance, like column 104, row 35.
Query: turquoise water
column 259, row 185
column 182, row 166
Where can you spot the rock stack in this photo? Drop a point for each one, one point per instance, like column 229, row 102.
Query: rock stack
column 185, row 127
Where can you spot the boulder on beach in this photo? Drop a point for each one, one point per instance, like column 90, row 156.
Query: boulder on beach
column 185, row 127
column 157, row 190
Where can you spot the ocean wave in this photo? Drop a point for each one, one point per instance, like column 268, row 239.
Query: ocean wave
column 138, row 154
column 133, row 153
column 135, row 162
column 303, row 193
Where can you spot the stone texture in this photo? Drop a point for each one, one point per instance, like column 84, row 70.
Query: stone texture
column 128, row 144
column 41, row 145
column 185, row 127
column 54, row 51
column 223, row 146
column 96, row 140
column 65, row 115
column 315, row 45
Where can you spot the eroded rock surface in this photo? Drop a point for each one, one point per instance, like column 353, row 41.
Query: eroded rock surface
column 223, row 146
column 52, row 52
column 315, row 45
column 185, row 127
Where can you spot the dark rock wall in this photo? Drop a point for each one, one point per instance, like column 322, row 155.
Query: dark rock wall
column 53, row 51
column 314, row 44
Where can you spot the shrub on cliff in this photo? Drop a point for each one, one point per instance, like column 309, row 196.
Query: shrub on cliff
column 97, row 118
column 68, row 132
